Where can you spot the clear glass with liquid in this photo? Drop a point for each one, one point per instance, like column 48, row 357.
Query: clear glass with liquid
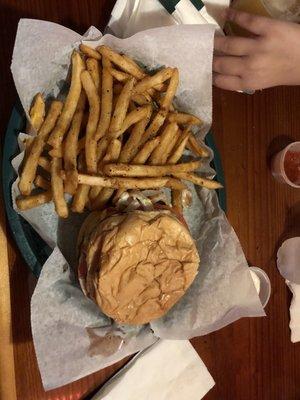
column 288, row 10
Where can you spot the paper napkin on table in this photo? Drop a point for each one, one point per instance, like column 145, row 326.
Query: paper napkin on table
column 288, row 262
column 169, row 370
column 131, row 16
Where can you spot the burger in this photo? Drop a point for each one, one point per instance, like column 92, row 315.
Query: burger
column 136, row 265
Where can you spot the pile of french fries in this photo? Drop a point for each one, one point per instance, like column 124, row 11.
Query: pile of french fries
column 117, row 130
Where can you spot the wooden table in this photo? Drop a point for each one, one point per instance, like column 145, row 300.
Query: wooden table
column 250, row 359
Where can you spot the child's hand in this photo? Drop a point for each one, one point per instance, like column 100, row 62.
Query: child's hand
column 270, row 57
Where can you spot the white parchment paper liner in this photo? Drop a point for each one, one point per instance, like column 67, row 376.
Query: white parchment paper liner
column 68, row 329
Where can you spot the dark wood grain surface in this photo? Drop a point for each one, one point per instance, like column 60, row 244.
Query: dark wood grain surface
column 252, row 359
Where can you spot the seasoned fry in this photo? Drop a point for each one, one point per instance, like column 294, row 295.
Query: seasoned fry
column 122, row 183
column 184, row 119
column 122, row 62
column 112, row 154
column 36, row 114
column 198, row 180
column 170, row 146
column 175, row 184
column 80, row 198
column 92, row 65
column 135, row 66
column 142, row 156
column 179, row 148
column 94, row 111
column 69, row 108
column 89, row 51
column 196, row 148
column 121, row 107
column 131, row 147
column 42, row 183
column 31, row 163
column 177, row 200
column 170, row 93
column 44, row 163
column 105, row 194
column 71, row 147
column 149, row 170
column 35, row 200
column 154, row 126
column 132, row 118
column 151, row 81
column 119, row 75
column 141, row 99
column 106, row 100
column 166, row 137
column 58, row 188
column 101, row 148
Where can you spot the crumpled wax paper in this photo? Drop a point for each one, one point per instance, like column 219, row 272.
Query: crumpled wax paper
column 72, row 337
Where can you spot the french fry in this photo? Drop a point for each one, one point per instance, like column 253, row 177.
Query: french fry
column 112, row 154
column 144, row 153
column 36, row 114
column 170, row 93
column 34, row 200
column 176, row 196
column 131, row 147
column 42, row 183
column 133, row 118
column 198, row 180
column 31, row 163
column 119, row 75
column 179, row 148
column 70, row 147
column 105, row 194
column 184, row 119
column 154, row 126
column 141, row 99
column 92, row 65
column 170, row 146
column 80, row 198
column 94, row 111
column 196, row 148
column 151, row 81
column 166, row 136
column 44, row 163
column 106, row 100
column 69, row 108
column 122, row 183
column 129, row 170
column 57, row 187
column 122, row 62
column 121, row 107
column 89, row 51
column 175, row 184
column 101, row 148
column 135, row 66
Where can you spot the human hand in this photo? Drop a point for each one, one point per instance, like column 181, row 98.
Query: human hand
column 270, row 57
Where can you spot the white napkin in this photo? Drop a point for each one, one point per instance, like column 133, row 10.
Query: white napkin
column 169, row 370
column 131, row 16
column 288, row 263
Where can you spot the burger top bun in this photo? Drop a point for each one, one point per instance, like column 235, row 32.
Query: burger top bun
column 139, row 264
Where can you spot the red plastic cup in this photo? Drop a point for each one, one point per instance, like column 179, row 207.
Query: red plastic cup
column 286, row 165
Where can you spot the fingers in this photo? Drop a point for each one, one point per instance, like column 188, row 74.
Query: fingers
column 228, row 65
column 253, row 23
column 234, row 46
column 227, row 82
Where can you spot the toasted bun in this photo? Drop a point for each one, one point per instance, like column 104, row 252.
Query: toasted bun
column 139, row 264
